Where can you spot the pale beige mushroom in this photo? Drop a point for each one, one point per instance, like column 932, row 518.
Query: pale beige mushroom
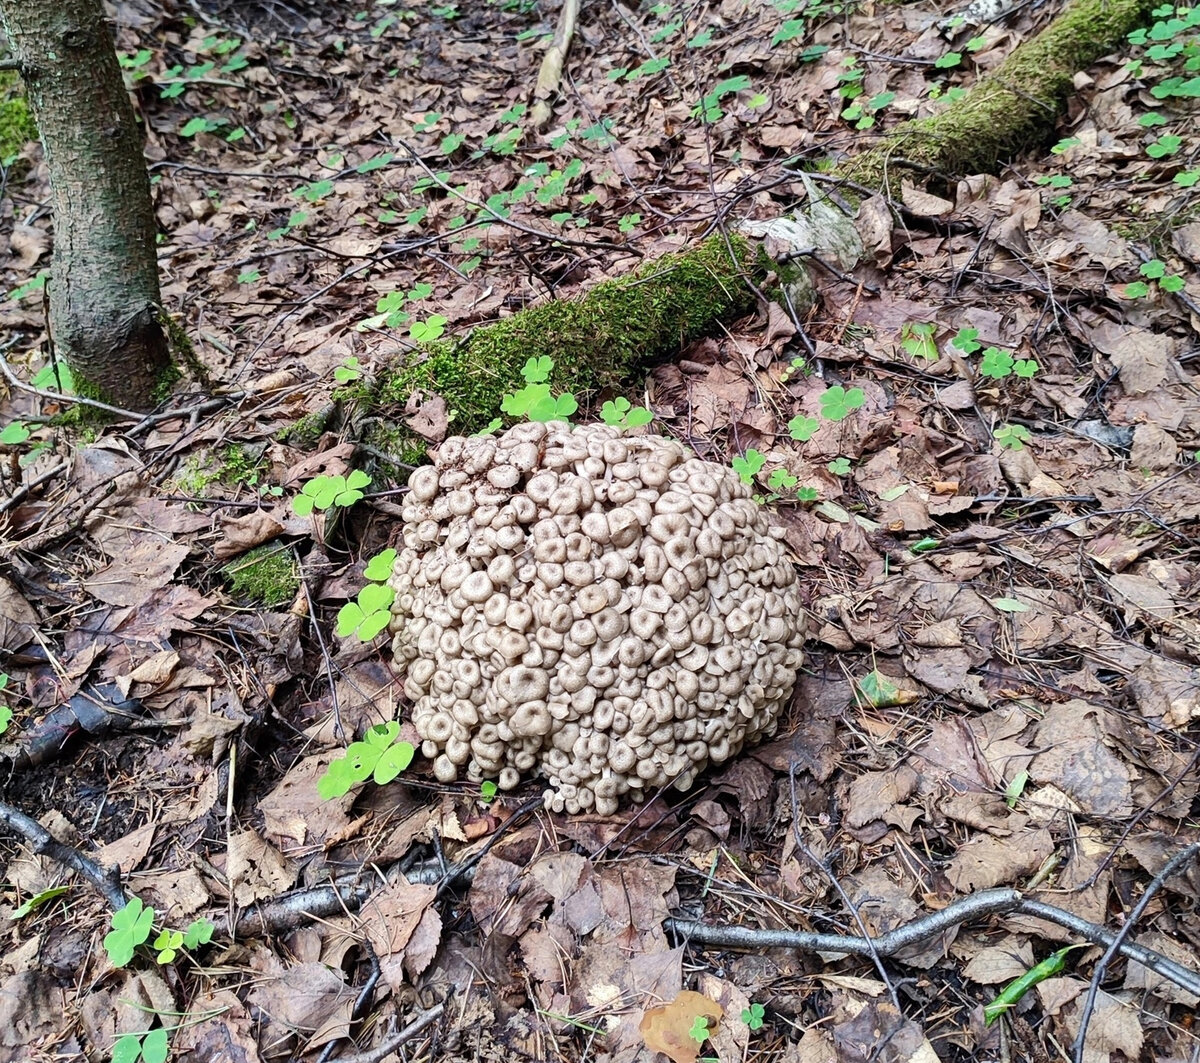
column 604, row 609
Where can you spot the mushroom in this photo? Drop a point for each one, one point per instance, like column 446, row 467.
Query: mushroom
column 603, row 609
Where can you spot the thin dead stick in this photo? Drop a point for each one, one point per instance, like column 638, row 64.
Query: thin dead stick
column 42, row 842
column 1176, row 864
column 55, row 396
column 988, row 902
column 390, row 1045
column 550, row 74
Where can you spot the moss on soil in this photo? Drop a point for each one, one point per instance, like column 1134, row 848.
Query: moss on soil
column 267, row 575
column 598, row 340
column 1013, row 107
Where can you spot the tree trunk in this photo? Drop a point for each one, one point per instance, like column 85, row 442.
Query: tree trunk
column 104, row 294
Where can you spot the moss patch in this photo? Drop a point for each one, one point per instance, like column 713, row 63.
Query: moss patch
column 267, row 575
column 1014, row 107
column 17, row 127
column 596, row 341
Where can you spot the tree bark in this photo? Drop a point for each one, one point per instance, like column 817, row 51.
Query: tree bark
column 104, row 292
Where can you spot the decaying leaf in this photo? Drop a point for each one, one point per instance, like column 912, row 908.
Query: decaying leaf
column 671, row 1029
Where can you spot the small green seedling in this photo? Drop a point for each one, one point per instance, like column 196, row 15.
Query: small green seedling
column 377, row 756
column 349, row 371
column 753, row 1016
column 916, row 337
column 130, row 928
column 923, row 546
column 782, row 480
column 806, row 494
column 796, row 365
column 368, row 614
column 1012, row 436
column 151, row 1047
column 487, row 791
column 1014, row 790
column 748, row 466
column 837, row 403
column 621, row 412
column 699, row 1030
column 168, row 944
column 1000, row 364
column 803, row 427
column 534, row 400
column 1154, row 270
column 324, row 492
column 1011, row 994
column 839, row 466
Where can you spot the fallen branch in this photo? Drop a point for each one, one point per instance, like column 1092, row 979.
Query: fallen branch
column 43, row 843
column 1010, row 108
column 289, row 912
column 550, row 74
column 989, row 902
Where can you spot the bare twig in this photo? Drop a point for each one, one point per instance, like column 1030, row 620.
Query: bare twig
column 1176, row 864
column 41, row 841
column 374, row 1055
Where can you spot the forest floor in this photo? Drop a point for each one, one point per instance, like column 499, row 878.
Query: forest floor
column 998, row 549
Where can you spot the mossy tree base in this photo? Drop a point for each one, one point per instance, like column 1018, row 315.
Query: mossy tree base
column 1011, row 108
column 599, row 340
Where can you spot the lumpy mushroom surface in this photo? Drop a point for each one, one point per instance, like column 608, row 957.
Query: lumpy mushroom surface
column 609, row 611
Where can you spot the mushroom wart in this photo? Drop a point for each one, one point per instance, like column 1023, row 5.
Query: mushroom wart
column 607, row 610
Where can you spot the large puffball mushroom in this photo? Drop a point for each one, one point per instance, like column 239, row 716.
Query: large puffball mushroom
column 608, row 610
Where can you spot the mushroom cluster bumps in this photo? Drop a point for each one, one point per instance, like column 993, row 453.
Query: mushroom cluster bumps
column 609, row 611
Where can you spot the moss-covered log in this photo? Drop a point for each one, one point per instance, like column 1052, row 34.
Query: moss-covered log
column 1011, row 108
column 598, row 340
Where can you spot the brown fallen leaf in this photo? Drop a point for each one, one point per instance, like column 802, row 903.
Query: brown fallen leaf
column 668, row 1029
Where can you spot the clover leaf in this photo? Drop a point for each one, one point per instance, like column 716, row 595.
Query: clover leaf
column 753, row 1016
column 747, row 467
column 837, row 402
column 996, row 363
column 1012, row 436
column 168, row 943
column 378, row 755
column 537, row 370
column 380, row 566
column 369, row 614
column 802, row 427
column 130, row 928
column 199, row 932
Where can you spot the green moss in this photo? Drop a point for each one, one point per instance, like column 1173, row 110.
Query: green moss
column 235, row 465
column 599, row 340
column 167, row 379
column 1013, row 107
column 267, row 575
column 17, row 127
column 305, row 432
